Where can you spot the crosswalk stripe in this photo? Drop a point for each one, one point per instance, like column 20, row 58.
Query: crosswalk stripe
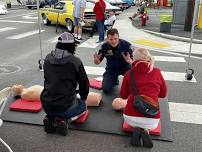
column 90, row 43
column 23, row 35
column 6, row 29
column 176, row 76
column 53, row 40
column 30, row 17
column 169, row 59
column 169, row 76
column 185, row 113
column 12, row 21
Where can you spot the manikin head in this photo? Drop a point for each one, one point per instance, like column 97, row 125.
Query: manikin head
column 17, row 89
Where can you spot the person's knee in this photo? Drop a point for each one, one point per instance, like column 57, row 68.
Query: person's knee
column 82, row 106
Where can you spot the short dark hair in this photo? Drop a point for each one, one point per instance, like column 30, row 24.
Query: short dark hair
column 112, row 11
column 112, row 32
column 70, row 47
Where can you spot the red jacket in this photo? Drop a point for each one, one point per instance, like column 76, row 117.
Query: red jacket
column 99, row 12
column 149, row 81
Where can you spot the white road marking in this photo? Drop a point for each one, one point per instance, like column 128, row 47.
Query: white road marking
column 12, row 21
column 30, row 17
column 53, row 40
column 16, row 15
column 169, row 76
column 169, row 52
column 176, row 76
column 90, row 43
column 185, row 113
column 6, row 29
column 23, row 35
column 169, row 59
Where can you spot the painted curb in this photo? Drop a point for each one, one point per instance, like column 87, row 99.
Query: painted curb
column 172, row 37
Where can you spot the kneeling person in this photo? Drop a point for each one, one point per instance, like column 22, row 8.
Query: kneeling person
column 62, row 72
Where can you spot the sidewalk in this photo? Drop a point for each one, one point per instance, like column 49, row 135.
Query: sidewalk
column 140, row 38
column 14, row 4
column 177, row 31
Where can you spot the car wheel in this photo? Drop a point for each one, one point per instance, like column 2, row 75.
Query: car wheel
column 45, row 20
column 69, row 25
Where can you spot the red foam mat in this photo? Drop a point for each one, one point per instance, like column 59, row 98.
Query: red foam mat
column 96, row 84
column 26, row 105
column 156, row 131
column 83, row 117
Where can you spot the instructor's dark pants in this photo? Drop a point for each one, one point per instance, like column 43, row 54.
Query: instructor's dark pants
column 110, row 78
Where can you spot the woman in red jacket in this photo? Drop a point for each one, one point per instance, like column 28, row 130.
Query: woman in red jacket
column 150, row 82
column 99, row 10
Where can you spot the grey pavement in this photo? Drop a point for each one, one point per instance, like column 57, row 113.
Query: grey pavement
column 132, row 33
column 177, row 31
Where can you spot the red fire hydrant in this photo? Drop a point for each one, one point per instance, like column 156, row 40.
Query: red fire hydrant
column 143, row 19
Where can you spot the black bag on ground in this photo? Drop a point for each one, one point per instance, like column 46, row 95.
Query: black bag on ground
column 142, row 103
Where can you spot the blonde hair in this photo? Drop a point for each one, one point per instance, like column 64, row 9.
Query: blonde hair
column 143, row 54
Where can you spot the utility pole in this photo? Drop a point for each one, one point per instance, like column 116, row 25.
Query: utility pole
column 189, row 15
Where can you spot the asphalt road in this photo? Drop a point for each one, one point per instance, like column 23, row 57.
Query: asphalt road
column 19, row 64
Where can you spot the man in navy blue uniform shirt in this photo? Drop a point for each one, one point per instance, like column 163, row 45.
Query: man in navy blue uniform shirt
column 115, row 51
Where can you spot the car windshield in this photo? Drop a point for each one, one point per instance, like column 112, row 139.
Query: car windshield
column 60, row 5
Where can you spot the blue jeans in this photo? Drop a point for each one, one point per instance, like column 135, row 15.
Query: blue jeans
column 76, row 109
column 110, row 78
column 101, row 30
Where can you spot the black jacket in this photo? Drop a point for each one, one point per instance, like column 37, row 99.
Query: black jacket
column 62, row 72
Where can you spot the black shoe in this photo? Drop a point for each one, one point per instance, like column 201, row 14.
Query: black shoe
column 146, row 139
column 77, row 42
column 79, row 39
column 136, row 138
column 48, row 125
column 61, row 127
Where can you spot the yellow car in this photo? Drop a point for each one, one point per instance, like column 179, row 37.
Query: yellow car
column 62, row 12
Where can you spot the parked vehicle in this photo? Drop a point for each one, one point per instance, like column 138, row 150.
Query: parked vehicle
column 3, row 9
column 119, row 3
column 33, row 3
column 129, row 2
column 62, row 11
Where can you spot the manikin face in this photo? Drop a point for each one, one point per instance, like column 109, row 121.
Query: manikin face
column 113, row 40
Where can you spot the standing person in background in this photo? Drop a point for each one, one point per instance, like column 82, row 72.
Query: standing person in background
column 99, row 10
column 78, row 13
column 108, row 24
